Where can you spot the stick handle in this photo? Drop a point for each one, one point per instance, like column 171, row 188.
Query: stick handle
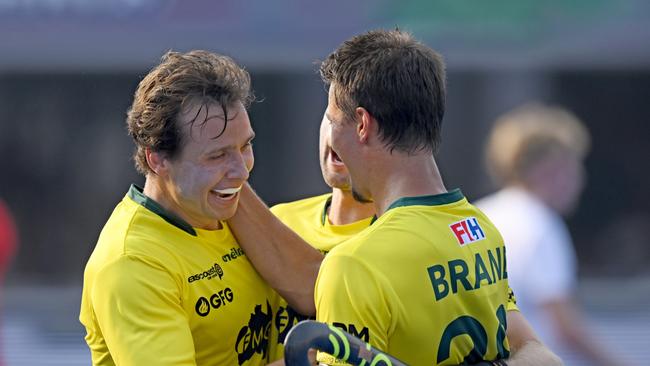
column 326, row 338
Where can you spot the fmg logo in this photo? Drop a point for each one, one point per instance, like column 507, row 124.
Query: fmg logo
column 467, row 231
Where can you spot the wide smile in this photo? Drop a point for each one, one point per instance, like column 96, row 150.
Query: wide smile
column 226, row 194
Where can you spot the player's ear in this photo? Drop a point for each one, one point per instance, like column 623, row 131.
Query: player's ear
column 157, row 161
column 365, row 124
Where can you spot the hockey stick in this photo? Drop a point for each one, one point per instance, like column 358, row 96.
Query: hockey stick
column 345, row 347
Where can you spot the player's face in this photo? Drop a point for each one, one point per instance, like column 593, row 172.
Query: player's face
column 343, row 141
column 335, row 173
column 205, row 178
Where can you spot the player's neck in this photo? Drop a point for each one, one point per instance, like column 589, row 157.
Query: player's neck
column 344, row 209
column 156, row 190
column 404, row 175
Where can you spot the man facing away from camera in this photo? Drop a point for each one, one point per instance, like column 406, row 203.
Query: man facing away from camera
column 427, row 281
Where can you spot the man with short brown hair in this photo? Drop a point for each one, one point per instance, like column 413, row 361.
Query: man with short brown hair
column 426, row 281
column 167, row 283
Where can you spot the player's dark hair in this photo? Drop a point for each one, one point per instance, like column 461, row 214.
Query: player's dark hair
column 398, row 80
column 181, row 78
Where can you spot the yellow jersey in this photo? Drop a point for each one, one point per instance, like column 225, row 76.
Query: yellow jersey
column 308, row 218
column 160, row 292
column 426, row 282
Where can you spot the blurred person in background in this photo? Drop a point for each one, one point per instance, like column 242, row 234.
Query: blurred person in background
column 536, row 153
column 167, row 283
column 8, row 245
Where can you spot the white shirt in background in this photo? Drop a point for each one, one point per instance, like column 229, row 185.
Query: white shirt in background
column 541, row 261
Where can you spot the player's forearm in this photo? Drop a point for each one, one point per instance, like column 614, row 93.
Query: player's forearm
column 533, row 353
column 526, row 348
column 282, row 258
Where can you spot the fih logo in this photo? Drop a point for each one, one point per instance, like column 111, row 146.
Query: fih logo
column 467, row 230
column 254, row 337
column 218, row 299
column 214, row 271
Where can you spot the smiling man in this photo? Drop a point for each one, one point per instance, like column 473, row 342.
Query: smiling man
column 167, row 283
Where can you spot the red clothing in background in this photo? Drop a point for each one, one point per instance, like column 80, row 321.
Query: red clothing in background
column 8, row 239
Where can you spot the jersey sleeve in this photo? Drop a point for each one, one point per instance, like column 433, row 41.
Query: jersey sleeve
column 350, row 296
column 511, row 304
column 138, row 309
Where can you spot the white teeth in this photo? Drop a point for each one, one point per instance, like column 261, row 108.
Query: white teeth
column 227, row 190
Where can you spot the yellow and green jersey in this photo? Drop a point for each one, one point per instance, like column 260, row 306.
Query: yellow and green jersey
column 160, row 292
column 426, row 282
column 308, row 218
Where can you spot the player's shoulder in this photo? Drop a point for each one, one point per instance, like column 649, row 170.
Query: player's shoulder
column 125, row 252
column 406, row 223
column 365, row 244
column 134, row 230
column 301, row 205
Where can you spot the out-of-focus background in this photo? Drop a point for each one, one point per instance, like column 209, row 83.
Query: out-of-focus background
column 68, row 70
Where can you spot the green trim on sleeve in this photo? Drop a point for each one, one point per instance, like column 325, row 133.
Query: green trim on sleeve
column 136, row 194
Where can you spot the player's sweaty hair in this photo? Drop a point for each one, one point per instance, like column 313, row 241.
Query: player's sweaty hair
column 398, row 80
column 179, row 80
column 527, row 134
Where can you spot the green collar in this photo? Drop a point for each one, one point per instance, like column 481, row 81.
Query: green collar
column 428, row 200
column 136, row 194
column 323, row 217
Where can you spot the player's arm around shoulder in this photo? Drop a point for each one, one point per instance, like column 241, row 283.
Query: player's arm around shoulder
column 136, row 302
column 526, row 349
column 280, row 256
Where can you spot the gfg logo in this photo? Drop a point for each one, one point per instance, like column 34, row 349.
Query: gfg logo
column 218, row 299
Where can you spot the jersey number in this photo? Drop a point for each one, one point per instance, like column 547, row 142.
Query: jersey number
column 467, row 325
